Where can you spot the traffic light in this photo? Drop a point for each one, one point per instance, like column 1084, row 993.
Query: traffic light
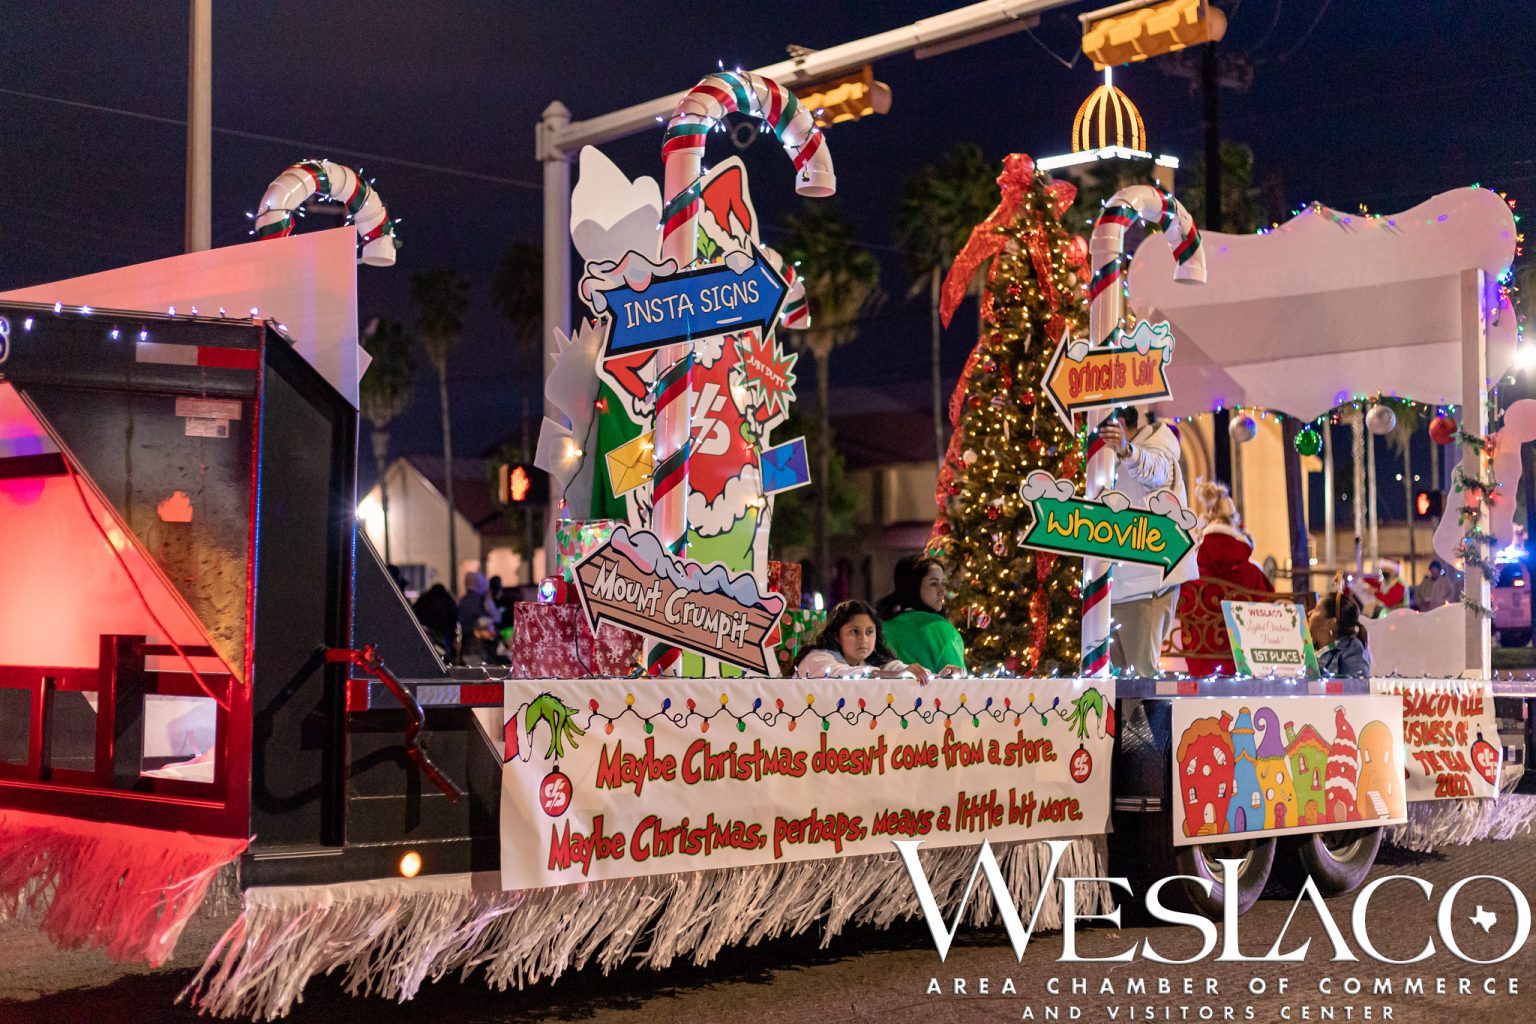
column 1148, row 28
column 521, row 485
column 846, row 98
column 1429, row 504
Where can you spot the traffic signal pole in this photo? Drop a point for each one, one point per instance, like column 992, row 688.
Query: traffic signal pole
column 559, row 139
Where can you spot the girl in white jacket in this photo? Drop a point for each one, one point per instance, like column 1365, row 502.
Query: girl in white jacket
column 852, row 643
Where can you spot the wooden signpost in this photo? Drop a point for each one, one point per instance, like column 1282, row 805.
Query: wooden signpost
column 632, row 581
column 1081, row 379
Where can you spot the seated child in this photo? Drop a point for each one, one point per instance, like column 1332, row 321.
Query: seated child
column 850, row 644
column 1339, row 637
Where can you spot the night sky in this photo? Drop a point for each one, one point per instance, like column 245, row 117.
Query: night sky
column 1353, row 101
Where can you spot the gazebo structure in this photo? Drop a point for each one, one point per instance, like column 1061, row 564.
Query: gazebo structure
column 1330, row 307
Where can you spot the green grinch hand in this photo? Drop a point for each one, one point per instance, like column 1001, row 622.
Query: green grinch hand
column 562, row 724
column 1093, row 701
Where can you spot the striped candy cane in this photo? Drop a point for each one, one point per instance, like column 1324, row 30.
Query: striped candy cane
column 682, row 149
column 1158, row 211
column 797, row 312
column 375, row 231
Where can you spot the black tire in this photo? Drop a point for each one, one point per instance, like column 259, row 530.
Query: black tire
column 1514, row 638
column 1258, row 857
column 1337, row 861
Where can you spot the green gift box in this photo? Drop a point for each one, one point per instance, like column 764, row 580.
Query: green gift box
column 574, row 538
column 797, row 628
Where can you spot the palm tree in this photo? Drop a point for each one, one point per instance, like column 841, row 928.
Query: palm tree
column 940, row 206
column 519, row 294
column 442, row 298
column 385, row 391
column 842, row 288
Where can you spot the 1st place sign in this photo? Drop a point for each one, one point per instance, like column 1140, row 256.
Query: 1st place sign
column 695, row 304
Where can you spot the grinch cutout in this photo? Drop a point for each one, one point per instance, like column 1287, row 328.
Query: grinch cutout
column 743, row 379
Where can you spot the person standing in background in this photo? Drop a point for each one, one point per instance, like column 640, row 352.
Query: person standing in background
column 1142, row 601
column 1435, row 589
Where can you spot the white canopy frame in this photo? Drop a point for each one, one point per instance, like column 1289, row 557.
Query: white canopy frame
column 1331, row 307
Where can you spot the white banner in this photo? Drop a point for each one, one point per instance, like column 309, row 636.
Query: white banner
column 1270, row 766
column 613, row 778
column 1452, row 739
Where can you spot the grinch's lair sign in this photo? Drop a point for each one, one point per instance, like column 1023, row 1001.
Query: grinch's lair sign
column 631, row 581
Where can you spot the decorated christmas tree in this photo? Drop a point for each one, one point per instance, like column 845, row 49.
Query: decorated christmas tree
column 1017, row 608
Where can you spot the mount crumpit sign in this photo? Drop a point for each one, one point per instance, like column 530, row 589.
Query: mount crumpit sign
column 630, row 580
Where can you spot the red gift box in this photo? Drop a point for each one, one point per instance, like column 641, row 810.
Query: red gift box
column 553, row 641
column 784, row 578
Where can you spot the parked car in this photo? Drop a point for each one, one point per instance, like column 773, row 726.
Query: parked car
column 1512, row 604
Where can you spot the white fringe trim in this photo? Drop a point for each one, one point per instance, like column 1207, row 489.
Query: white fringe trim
column 392, row 935
column 1435, row 823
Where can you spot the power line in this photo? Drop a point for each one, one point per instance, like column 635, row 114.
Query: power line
column 1307, row 34
column 280, row 140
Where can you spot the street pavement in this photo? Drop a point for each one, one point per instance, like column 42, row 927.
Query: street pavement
column 888, row 976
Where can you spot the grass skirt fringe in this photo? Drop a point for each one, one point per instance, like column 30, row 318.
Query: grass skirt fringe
column 90, row 883
column 391, row 935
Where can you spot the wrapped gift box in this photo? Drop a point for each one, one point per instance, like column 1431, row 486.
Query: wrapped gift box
column 574, row 538
column 796, row 629
column 784, row 578
column 553, row 641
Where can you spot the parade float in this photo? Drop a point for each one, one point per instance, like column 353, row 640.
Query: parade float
column 237, row 681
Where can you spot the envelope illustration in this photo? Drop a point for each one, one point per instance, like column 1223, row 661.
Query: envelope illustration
column 630, row 464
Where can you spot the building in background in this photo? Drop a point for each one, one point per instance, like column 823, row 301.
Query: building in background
column 487, row 539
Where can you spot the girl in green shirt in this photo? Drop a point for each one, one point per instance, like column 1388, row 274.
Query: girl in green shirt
column 915, row 629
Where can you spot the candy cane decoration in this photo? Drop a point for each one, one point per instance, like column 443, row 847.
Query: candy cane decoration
column 797, row 312
column 375, row 231
column 701, row 109
column 1158, row 211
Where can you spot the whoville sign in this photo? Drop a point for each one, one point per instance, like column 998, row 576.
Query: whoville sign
column 633, row 582
column 1109, row 528
column 1081, row 378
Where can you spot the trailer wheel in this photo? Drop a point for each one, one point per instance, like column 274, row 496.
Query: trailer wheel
column 1337, row 861
column 1258, row 857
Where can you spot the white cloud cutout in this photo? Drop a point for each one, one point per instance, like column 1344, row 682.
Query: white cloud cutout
column 634, row 270
column 1166, row 503
column 1115, row 501
column 1041, row 484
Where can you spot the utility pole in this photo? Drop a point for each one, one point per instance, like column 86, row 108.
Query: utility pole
column 1221, row 438
column 199, row 199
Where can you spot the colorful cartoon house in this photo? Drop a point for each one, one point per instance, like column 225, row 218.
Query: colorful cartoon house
column 1343, row 770
column 1205, row 766
column 1274, row 772
column 1380, row 793
column 1246, row 812
column 1308, row 753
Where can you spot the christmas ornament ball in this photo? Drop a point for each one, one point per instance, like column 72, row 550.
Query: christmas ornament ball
column 1243, row 429
column 1381, row 419
column 1308, row 442
column 1442, row 429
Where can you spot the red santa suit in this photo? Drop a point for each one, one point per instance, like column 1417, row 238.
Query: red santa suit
column 1224, row 561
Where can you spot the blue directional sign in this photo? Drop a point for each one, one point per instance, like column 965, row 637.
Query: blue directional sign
column 694, row 304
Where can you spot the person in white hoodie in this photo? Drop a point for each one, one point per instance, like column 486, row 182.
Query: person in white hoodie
column 1142, row 602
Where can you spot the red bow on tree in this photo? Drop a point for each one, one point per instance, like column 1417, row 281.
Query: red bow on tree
column 987, row 239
